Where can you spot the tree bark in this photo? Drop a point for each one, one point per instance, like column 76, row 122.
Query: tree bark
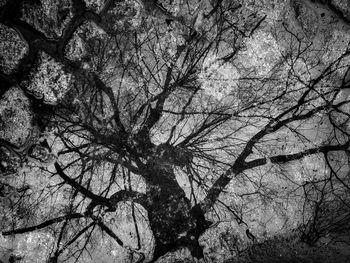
column 172, row 220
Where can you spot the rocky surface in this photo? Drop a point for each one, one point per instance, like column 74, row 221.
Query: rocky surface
column 47, row 16
column 15, row 117
column 48, row 80
column 12, row 49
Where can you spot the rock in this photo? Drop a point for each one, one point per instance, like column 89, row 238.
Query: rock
column 48, row 80
column 343, row 6
column 15, row 117
column 85, row 43
column 95, row 5
column 306, row 17
column 125, row 15
column 47, row 16
column 12, row 49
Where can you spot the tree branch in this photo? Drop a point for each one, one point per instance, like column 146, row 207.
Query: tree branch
column 110, row 233
column 43, row 225
column 129, row 195
column 237, row 168
column 96, row 198
column 283, row 158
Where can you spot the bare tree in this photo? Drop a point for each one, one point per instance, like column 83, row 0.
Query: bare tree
column 138, row 115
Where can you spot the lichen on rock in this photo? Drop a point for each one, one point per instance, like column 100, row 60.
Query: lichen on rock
column 95, row 5
column 15, row 117
column 125, row 15
column 343, row 6
column 48, row 80
column 85, row 39
column 47, row 16
column 12, row 49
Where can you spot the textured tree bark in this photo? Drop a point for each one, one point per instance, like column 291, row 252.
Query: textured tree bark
column 173, row 222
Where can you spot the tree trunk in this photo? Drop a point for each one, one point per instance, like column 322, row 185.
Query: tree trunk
column 173, row 222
